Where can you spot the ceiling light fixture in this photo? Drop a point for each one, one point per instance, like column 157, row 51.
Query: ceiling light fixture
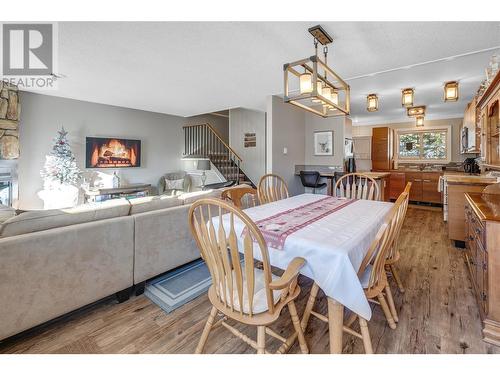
column 416, row 111
column 419, row 121
column 407, row 96
column 451, row 91
column 321, row 90
column 372, row 103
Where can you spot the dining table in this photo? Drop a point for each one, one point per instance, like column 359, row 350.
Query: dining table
column 332, row 235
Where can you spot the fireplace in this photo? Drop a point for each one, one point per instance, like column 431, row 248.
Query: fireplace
column 112, row 153
column 8, row 183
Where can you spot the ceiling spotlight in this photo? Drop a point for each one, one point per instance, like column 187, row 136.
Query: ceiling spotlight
column 407, row 96
column 372, row 103
column 451, row 91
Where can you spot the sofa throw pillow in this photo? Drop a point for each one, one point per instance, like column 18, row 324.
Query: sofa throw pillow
column 174, row 184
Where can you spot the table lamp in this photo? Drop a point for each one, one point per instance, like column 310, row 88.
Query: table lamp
column 203, row 165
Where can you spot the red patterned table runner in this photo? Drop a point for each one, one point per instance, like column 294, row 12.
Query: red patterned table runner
column 277, row 228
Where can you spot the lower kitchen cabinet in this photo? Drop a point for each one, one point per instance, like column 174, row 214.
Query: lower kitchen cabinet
column 424, row 186
column 482, row 255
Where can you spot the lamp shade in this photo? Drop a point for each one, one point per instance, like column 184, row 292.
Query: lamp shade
column 306, row 83
column 203, row 165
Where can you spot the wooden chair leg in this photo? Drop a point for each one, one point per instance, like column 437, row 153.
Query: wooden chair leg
column 390, row 301
column 365, row 333
column 397, row 279
column 387, row 312
column 298, row 328
column 261, row 340
column 206, row 331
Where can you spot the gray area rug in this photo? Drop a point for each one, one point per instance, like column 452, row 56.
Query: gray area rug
column 178, row 287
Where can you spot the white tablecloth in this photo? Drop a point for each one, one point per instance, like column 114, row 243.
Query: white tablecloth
column 333, row 246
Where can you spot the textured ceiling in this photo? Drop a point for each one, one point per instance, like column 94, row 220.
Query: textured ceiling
column 189, row 68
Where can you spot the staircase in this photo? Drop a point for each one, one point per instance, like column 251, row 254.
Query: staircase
column 203, row 141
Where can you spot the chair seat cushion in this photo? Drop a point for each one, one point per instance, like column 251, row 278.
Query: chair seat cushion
column 259, row 298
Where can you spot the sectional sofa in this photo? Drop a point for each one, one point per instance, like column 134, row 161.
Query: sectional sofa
column 55, row 261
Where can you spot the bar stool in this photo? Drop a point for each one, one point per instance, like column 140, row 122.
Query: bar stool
column 311, row 179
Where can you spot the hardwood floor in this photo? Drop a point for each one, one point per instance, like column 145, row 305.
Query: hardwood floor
column 437, row 313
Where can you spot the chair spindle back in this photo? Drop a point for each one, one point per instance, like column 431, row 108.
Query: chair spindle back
column 357, row 186
column 241, row 196
column 272, row 188
column 212, row 223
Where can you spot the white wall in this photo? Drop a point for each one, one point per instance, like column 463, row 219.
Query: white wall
column 285, row 128
column 243, row 121
column 455, row 124
column 42, row 116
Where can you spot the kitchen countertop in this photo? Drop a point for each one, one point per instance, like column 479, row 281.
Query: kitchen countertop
column 486, row 206
column 467, row 179
column 374, row 175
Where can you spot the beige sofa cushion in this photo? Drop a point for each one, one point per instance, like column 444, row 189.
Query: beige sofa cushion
column 188, row 198
column 35, row 221
column 145, row 204
column 6, row 213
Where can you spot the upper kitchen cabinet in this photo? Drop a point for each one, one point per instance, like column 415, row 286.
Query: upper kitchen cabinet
column 470, row 139
column 489, row 119
column 382, row 148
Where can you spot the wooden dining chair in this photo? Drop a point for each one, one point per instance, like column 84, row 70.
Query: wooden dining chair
column 394, row 254
column 357, row 186
column 271, row 188
column 373, row 278
column 241, row 196
column 239, row 290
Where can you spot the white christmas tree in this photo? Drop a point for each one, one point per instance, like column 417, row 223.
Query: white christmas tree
column 60, row 165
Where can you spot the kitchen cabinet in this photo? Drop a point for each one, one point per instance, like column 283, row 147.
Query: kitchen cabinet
column 489, row 120
column 416, row 185
column 457, row 188
column 482, row 255
column 424, row 186
column 397, row 182
column 470, row 136
column 430, row 191
column 382, row 148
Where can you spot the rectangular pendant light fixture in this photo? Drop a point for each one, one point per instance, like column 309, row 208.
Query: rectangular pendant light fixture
column 419, row 121
column 407, row 97
column 372, row 103
column 416, row 111
column 321, row 90
column 451, row 91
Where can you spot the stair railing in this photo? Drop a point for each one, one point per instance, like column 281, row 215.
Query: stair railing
column 203, row 141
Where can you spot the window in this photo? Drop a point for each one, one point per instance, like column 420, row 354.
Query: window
column 423, row 145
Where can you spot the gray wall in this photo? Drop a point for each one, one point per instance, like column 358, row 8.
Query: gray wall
column 243, row 121
column 42, row 116
column 315, row 123
column 285, row 128
column 221, row 124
